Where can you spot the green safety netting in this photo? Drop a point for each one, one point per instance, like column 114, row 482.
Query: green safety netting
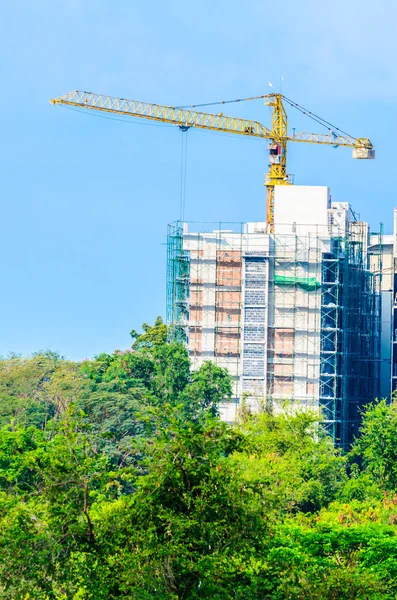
column 307, row 283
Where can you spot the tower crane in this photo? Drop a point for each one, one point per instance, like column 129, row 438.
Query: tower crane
column 277, row 133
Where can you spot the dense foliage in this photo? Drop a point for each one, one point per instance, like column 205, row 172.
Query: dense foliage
column 119, row 480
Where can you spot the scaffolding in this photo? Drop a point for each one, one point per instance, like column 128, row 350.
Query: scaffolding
column 178, row 285
column 350, row 333
column 204, row 294
column 294, row 316
column 294, row 348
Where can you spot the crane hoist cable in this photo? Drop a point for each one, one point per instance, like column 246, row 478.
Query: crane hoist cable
column 184, row 139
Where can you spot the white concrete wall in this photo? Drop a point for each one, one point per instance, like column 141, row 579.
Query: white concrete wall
column 301, row 209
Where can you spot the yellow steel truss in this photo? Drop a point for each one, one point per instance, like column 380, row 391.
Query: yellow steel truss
column 185, row 118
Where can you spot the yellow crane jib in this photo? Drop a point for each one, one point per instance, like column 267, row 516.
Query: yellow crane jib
column 277, row 134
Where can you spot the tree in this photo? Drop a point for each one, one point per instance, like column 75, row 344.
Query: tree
column 25, row 394
column 208, row 387
column 49, row 487
column 152, row 335
column 188, row 519
column 377, row 446
column 291, row 460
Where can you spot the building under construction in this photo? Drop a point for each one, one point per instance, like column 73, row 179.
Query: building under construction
column 293, row 315
column 293, row 307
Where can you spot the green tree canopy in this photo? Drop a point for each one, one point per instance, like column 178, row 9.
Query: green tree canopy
column 119, row 480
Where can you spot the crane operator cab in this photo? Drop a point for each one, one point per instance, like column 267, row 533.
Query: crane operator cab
column 275, row 153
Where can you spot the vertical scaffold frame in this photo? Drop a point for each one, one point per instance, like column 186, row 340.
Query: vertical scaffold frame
column 178, row 285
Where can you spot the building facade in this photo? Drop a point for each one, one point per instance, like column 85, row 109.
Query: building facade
column 293, row 315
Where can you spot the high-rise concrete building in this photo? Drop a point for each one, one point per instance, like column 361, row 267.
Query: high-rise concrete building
column 381, row 256
column 293, row 315
column 394, row 309
column 383, row 251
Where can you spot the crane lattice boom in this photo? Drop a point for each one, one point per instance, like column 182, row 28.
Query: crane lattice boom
column 200, row 120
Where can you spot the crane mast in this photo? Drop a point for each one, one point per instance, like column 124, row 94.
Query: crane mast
column 277, row 134
column 277, row 174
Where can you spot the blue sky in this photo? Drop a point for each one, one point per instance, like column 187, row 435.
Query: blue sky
column 86, row 201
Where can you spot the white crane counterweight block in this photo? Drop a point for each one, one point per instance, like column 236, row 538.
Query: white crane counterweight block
column 363, row 153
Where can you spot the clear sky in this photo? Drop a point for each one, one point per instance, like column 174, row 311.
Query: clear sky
column 86, row 201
